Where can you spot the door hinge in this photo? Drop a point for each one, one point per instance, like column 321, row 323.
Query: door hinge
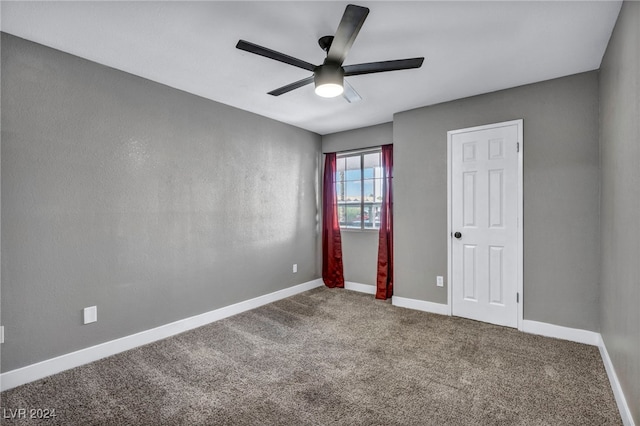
column 518, row 147
column 517, row 297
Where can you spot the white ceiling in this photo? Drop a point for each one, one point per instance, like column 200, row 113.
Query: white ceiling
column 470, row 48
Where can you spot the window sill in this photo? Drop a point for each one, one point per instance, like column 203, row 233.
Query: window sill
column 359, row 230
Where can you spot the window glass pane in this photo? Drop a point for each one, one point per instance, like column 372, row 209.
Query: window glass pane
column 372, row 215
column 354, row 191
column 353, row 215
column 353, row 175
column 341, row 164
column 342, row 215
column 377, row 190
column 369, row 189
column 372, row 168
column 353, row 171
column 372, row 160
column 340, row 191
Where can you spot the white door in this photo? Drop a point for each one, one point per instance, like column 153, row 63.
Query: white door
column 485, row 249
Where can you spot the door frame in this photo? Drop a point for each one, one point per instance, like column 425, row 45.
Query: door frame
column 520, row 222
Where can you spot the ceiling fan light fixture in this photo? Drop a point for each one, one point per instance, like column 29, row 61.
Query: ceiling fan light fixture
column 328, row 79
column 329, row 90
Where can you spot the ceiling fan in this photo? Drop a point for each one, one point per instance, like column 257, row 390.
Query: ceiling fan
column 329, row 77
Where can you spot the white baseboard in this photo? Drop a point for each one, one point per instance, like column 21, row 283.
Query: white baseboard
column 559, row 332
column 420, row 305
column 42, row 369
column 623, row 407
column 362, row 288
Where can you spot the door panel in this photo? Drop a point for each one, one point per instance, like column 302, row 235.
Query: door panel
column 469, row 200
column 469, row 272
column 484, row 209
column 496, row 283
column 496, row 199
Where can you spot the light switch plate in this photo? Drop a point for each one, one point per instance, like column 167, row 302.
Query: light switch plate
column 440, row 281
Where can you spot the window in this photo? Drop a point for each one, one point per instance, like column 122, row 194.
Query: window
column 359, row 189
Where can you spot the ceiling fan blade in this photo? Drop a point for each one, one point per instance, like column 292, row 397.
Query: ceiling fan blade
column 272, row 54
column 289, row 87
column 350, row 25
column 350, row 93
column 383, row 66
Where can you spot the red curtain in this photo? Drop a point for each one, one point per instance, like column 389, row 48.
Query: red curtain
column 332, row 274
column 384, row 284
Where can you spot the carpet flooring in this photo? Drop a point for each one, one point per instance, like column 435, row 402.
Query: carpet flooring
column 333, row 357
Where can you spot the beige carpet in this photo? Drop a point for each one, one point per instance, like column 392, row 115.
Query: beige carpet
column 334, row 357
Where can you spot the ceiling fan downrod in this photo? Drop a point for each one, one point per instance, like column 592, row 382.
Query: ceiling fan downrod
column 325, row 42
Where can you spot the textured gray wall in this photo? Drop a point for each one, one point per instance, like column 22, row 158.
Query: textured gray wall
column 359, row 248
column 561, row 195
column 366, row 137
column 151, row 203
column 620, row 207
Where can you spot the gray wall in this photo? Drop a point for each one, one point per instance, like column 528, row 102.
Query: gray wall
column 359, row 248
column 366, row 137
column 620, row 207
column 151, row 203
column 561, row 195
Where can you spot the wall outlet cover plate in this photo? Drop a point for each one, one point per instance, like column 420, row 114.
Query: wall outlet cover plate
column 90, row 314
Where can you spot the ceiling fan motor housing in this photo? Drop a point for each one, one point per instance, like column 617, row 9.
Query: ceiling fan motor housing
column 328, row 73
column 329, row 80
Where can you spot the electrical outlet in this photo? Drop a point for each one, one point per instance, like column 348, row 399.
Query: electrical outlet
column 90, row 314
column 440, row 281
column 295, row 268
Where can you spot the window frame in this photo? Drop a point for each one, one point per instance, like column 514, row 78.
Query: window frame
column 361, row 154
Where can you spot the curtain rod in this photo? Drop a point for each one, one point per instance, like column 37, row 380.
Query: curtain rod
column 358, row 150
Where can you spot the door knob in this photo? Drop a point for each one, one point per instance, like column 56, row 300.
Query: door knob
column 457, row 235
